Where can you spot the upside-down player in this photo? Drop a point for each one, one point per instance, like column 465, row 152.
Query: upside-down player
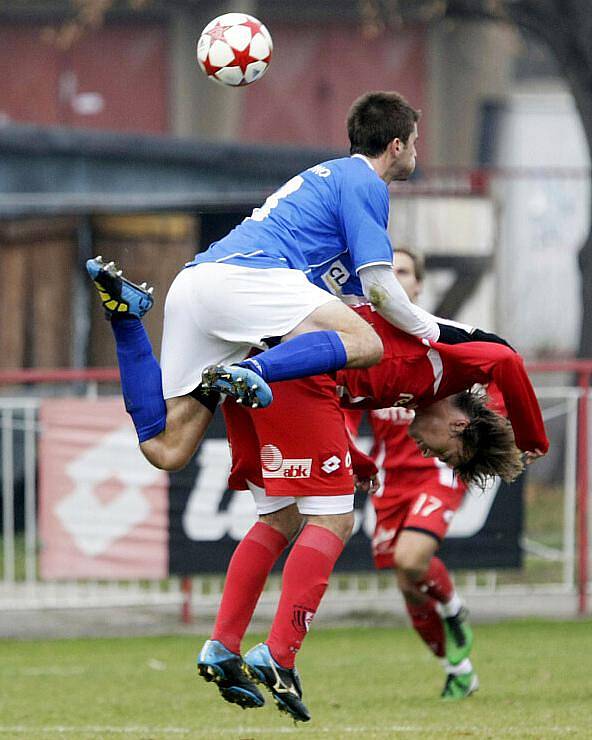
column 297, row 448
column 414, row 507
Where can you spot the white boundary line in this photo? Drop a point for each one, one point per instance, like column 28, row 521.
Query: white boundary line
column 482, row 730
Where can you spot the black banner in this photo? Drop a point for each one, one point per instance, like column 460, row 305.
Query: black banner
column 207, row 520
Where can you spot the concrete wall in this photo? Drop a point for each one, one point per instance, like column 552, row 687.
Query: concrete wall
column 469, row 63
column 200, row 107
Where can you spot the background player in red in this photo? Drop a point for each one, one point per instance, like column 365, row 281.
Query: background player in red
column 414, row 507
column 297, row 449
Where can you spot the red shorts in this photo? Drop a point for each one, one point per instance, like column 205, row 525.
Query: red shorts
column 298, row 446
column 429, row 510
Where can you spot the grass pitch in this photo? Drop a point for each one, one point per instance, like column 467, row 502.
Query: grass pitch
column 359, row 683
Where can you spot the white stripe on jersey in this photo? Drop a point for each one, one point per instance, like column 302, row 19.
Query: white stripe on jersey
column 437, row 367
column 334, row 257
column 240, row 254
column 373, row 264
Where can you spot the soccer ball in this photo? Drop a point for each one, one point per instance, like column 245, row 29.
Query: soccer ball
column 234, row 49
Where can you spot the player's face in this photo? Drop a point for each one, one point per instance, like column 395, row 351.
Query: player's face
column 437, row 436
column 405, row 162
column 405, row 271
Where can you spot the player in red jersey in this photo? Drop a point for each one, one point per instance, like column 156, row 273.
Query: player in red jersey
column 414, row 507
column 297, row 450
column 294, row 458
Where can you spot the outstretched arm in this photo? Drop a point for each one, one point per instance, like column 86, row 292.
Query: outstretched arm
column 390, row 300
column 453, row 332
column 386, row 294
column 363, row 466
column 485, row 362
column 520, row 400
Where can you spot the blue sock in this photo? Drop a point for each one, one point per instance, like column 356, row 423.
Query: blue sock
column 307, row 354
column 140, row 374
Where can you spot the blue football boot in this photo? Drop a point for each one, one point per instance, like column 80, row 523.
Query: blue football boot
column 119, row 296
column 243, row 384
column 227, row 670
column 284, row 683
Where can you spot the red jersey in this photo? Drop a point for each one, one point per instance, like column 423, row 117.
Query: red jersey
column 414, row 373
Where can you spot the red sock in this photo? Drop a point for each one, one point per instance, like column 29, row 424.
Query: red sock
column 246, row 575
column 438, row 582
column 428, row 624
column 304, row 581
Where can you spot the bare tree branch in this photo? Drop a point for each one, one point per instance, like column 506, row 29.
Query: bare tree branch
column 86, row 16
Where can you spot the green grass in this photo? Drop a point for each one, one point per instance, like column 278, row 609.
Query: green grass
column 361, row 683
column 19, row 556
column 544, row 514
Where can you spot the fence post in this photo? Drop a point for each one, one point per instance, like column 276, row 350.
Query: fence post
column 7, row 489
column 583, row 419
column 186, row 588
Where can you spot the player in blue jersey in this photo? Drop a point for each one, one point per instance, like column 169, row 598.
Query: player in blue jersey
column 275, row 279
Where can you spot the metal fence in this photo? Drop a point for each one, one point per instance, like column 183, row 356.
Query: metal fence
column 554, row 544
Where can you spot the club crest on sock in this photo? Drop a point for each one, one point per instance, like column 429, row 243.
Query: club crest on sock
column 302, row 618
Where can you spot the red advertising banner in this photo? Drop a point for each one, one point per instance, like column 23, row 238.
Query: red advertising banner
column 103, row 509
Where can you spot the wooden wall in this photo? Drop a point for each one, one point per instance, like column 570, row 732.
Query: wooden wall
column 37, row 260
column 150, row 248
column 40, row 266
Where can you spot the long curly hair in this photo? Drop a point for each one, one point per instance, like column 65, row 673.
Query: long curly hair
column 489, row 446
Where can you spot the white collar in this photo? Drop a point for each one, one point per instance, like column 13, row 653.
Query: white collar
column 365, row 159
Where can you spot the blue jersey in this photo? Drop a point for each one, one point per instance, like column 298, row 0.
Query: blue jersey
column 328, row 221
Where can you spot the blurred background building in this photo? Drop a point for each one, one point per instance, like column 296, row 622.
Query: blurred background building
column 113, row 142
column 130, row 67
column 103, row 111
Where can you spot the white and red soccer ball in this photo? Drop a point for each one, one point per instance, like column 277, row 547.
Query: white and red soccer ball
column 234, row 49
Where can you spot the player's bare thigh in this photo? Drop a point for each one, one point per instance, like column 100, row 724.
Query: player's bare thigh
column 289, row 521
column 340, row 524
column 187, row 421
column 362, row 344
column 412, row 555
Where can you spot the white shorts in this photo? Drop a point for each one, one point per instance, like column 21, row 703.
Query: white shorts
column 306, row 504
column 216, row 313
